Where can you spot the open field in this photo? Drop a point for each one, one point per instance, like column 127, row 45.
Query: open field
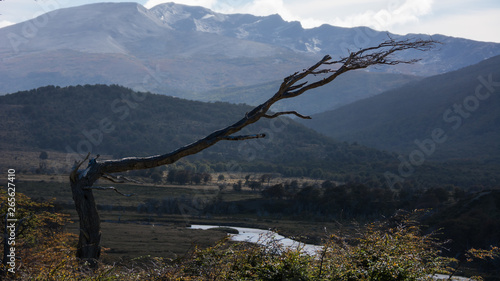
column 153, row 222
column 127, row 233
column 27, row 160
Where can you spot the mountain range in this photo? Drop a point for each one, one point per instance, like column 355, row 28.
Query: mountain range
column 193, row 52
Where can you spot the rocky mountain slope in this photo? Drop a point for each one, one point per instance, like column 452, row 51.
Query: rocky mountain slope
column 181, row 50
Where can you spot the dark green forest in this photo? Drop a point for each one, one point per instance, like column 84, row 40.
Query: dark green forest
column 112, row 120
column 116, row 121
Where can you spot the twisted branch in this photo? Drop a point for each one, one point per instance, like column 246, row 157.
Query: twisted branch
column 74, row 173
column 247, row 137
column 292, row 86
column 119, row 179
column 285, row 113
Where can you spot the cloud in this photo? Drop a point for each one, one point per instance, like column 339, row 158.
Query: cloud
column 204, row 3
column 254, row 7
column 265, row 7
column 478, row 25
column 385, row 18
column 5, row 23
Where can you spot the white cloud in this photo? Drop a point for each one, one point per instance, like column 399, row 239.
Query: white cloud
column 5, row 23
column 393, row 14
column 204, row 3
column 265, row 7
column 481, row 25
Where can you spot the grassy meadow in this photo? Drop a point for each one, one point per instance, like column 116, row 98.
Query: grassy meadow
column 128, row 234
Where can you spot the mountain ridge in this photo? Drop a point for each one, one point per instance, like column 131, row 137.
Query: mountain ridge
column 183, row 50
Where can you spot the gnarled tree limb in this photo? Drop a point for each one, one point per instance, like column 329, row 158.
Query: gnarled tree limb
column 119, row 179
column 294, row 85
column 74, row 172
column 247, row 137
column 285, row 113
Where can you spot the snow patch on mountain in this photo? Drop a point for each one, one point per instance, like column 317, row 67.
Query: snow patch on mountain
column 313, row 45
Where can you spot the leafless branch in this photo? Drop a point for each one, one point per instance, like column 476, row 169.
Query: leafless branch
column 247, row 137
column 74, row 172
column 82, row 181
column 112, row 179
column 292, row 86
column 285, row 113
column 119, row 179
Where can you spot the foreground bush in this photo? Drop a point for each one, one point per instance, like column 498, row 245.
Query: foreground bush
column 394, row 250
column 43, row 251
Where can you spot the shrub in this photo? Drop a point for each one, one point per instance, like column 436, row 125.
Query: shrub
column 393, row 250
column 43, row 250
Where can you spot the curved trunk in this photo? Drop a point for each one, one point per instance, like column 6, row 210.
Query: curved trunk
column 88, row 249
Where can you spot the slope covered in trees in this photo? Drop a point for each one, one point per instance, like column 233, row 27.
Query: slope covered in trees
column 112, row 120
column 116, row 121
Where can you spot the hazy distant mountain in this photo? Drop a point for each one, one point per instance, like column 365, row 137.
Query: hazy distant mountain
column 346, row 89
column 188, row 51
column 450, row 116
column 326, row 39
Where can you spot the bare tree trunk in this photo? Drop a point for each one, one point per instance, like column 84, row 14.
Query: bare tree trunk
column 88, row 248
column 82, row 181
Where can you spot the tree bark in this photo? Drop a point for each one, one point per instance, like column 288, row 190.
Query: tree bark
column 82, row 180
column 88, row 248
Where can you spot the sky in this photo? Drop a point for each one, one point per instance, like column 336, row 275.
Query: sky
column 472, row 19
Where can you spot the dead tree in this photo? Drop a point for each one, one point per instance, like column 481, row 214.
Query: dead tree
column 323, row 72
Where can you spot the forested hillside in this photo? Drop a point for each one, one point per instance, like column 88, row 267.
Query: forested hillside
column 112, row 120
column 116, row 121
